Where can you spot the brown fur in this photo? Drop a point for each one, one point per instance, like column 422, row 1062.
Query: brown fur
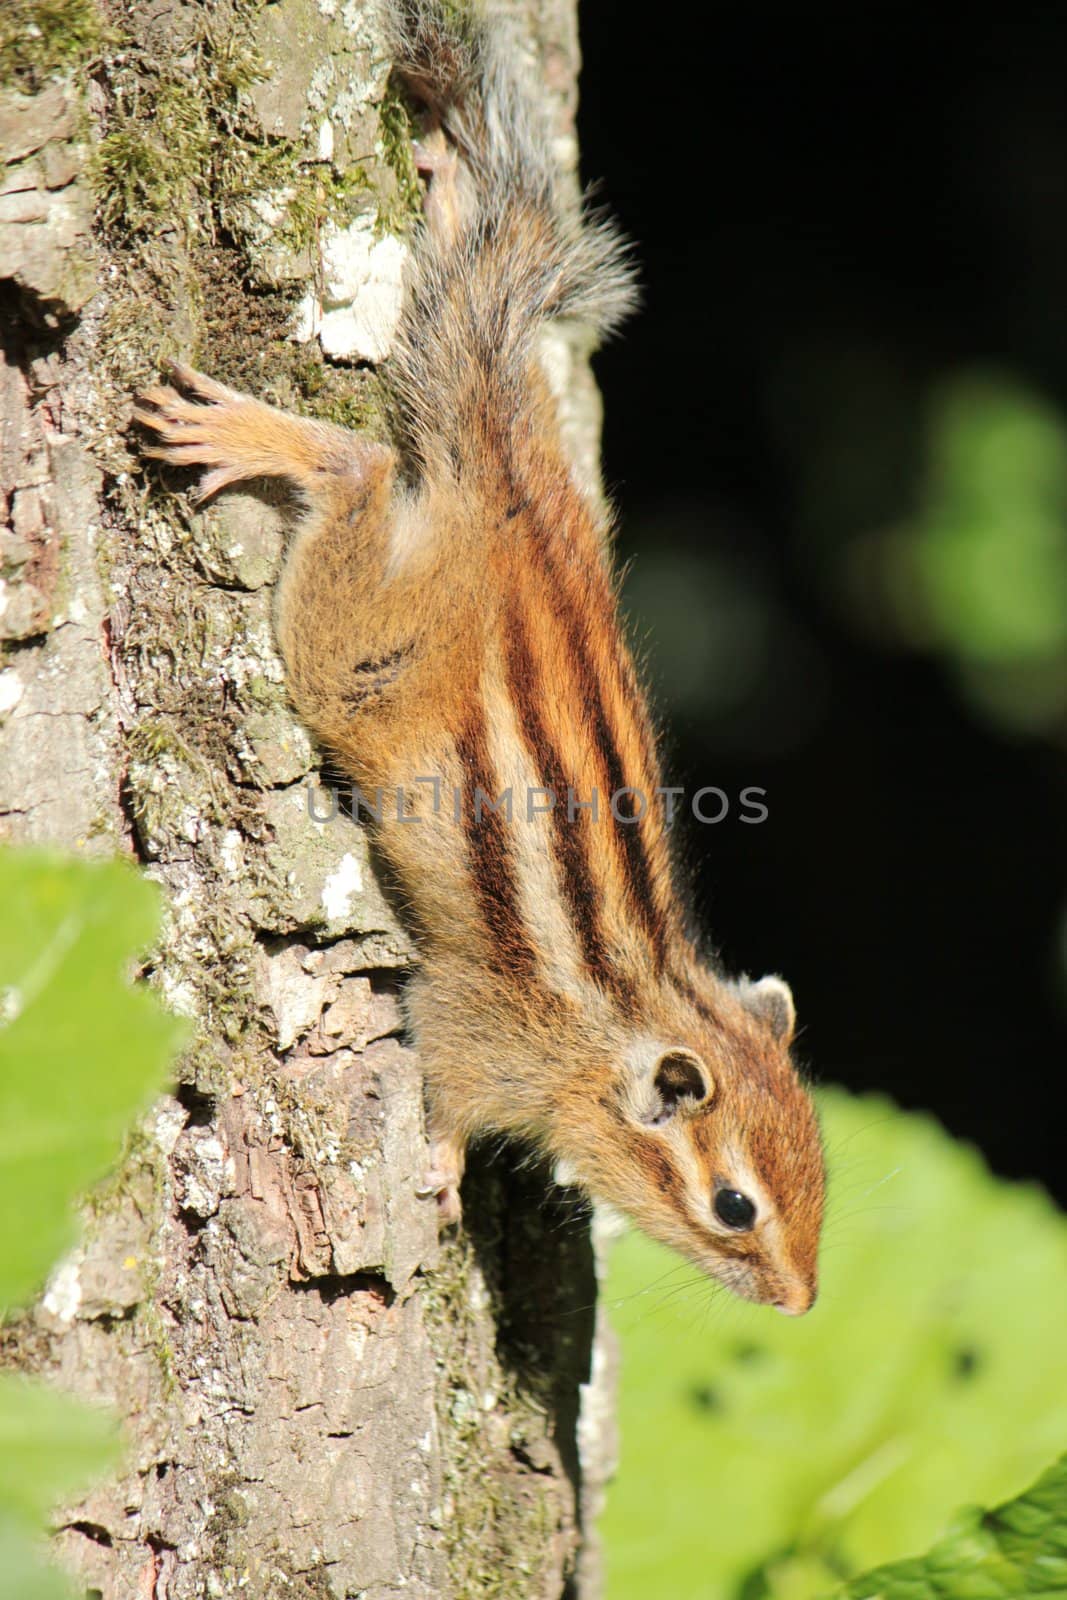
column 464, row 625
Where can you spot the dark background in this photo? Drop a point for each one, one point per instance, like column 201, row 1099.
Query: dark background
column 833, row 218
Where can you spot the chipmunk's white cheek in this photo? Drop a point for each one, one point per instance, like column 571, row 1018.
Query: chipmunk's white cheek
column 737, row 1277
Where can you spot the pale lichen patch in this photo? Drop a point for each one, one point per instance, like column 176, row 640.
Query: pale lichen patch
column 341, row 887
column 12, row 689
column 63, row 1296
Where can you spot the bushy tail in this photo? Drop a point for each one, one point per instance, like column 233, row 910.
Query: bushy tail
column 506, row 251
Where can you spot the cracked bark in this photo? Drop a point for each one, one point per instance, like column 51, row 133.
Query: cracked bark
column 320, row 1398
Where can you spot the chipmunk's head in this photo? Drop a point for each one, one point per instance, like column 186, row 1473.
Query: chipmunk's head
column 720, row 1155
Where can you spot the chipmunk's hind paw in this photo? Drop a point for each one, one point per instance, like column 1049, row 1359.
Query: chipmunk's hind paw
column 446, row 205
column 441, row 1182
column 197, row 422
column 193, row 433
column 203, row 387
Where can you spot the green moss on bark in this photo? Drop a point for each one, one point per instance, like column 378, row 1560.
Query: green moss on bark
column 43, row 39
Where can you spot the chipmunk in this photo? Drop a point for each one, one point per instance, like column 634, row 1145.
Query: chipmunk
column 448, row 611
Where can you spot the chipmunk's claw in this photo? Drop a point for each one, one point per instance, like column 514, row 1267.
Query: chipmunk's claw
column 445, row 1189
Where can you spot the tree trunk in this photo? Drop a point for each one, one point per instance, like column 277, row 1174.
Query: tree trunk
column 320, row 1398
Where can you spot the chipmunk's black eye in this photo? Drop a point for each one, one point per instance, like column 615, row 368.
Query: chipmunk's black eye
column 735, row 1209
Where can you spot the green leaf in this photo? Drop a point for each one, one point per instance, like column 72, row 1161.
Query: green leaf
column 991, row 540
column 51, row 1447
column 768, row 1459
column 23, row 1575
column 81, row 1050
column 1019, row 1549
column 980, row 571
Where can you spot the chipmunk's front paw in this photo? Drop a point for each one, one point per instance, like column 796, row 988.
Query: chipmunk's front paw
column 441, row 1182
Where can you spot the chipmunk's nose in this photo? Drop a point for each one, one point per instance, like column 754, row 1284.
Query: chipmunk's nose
column 798, row 1298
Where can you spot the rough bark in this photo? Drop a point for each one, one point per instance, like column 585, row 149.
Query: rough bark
column 320, row 1398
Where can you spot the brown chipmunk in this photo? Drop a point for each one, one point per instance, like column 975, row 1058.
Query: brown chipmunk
column 448, row 611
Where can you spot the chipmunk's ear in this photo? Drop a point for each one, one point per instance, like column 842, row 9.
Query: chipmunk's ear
column 674, row 1082
column 771, row 1000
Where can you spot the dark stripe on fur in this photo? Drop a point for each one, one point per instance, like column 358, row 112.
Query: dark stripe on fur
column 370, row 679
column 572, row 853
column 489, row 856
column 629, row 836
column 696, row 1000
column 652, row 1159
